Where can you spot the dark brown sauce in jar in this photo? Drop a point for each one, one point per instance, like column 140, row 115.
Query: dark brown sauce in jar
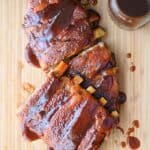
column 130, row 14
column 134, row 8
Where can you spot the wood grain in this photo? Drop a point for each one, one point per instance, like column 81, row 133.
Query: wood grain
column 14, row 71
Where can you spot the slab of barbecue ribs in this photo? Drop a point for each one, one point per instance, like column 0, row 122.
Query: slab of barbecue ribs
column 64, row 113
column 65, row 116
column 97, row 67
column 57, row 30
column 78, row 104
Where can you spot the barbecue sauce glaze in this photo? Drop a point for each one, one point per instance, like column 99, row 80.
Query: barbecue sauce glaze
column 54, row 18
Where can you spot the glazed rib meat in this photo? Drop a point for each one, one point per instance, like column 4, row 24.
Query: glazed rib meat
column 57, row 30
column 77, row 109
column 65, row 116
column 98, row 68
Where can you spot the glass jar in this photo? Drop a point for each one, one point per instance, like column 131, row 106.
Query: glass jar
column 130, row 14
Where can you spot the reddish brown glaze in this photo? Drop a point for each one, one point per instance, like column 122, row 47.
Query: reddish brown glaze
column 64, row 115
column 92, row 65
column 56, row 31
column 60, row 112
column 34, row 108
column 59, row 15
column 91, row 61
column 133, row 142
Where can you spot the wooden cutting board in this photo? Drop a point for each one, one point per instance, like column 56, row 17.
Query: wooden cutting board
column 14, row 71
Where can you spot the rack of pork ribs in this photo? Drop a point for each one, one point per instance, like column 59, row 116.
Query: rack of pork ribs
column 78, row 104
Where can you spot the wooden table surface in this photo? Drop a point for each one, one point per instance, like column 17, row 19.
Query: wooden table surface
column 14, row 71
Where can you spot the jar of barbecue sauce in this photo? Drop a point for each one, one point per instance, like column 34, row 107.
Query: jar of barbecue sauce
column 130, row 14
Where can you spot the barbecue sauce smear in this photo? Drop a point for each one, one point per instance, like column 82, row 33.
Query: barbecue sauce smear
column 134, row 8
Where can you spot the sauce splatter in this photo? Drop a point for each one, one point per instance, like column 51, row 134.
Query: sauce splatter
column 123, row 144
column 132, row 68
column 129, row 55
column 121, row 129
column 130, row 130
column 136, row 124
column 133, row 142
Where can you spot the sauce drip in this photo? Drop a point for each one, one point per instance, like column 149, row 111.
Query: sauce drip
column 29, row 135
column 30, row 57
column 134, row 8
